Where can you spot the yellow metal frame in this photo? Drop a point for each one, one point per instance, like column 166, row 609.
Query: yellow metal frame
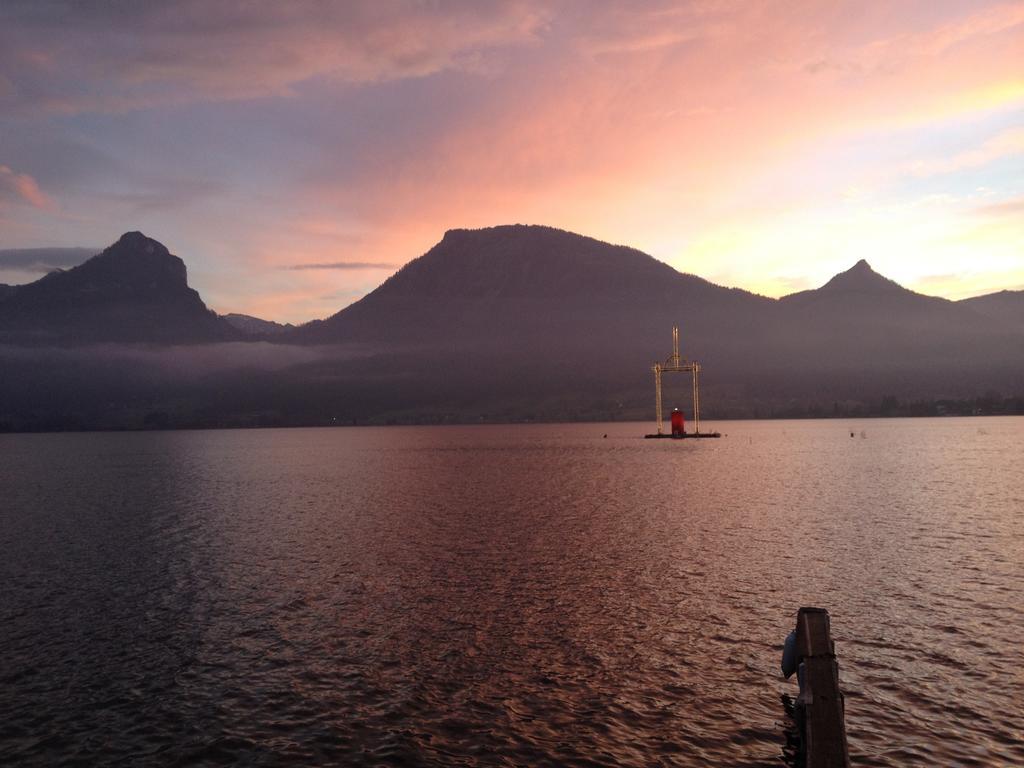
column 675, row 364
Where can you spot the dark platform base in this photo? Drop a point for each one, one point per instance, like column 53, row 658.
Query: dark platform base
column 686, row 436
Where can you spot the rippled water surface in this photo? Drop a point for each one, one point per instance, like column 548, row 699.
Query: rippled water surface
column 532, row 595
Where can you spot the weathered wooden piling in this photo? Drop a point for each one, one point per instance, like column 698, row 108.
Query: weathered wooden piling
column 820, row 708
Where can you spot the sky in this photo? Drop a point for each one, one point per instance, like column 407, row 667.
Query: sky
column 296, row 154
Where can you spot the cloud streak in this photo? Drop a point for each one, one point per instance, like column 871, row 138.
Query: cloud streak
column 342, row 265
column 69, row 58
column 1013, row 207
column 22, row 189
column 1006, row 144
column 44, row 260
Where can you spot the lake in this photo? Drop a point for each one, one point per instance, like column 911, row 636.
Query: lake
column 523, row 595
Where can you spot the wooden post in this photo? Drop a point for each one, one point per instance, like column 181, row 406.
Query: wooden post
column 821, row 702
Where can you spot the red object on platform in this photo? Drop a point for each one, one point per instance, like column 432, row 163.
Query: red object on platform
column 678, row 422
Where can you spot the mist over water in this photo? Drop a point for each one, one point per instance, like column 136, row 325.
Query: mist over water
column 528, row 595
column 186, row 360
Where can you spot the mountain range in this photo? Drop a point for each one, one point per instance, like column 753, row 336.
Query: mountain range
column 551, row 294
column 507, row 322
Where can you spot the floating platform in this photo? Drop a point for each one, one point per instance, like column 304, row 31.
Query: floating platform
column 685, row 436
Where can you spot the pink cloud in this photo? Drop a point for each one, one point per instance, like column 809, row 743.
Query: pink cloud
column 938, row 40
column 1005, row 144
column 1013, row 207
column 22, row 189
column 107, row 58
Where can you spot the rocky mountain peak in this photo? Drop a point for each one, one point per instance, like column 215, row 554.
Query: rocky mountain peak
column 861, row 277
column 139, row 260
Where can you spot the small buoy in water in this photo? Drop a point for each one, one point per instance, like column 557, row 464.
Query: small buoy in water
column 851, row 434
column 606, row 436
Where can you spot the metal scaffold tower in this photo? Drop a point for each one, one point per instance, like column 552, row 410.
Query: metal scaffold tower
column 676, row 364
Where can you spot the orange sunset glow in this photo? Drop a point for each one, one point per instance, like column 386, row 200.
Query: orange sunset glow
column 760, row 145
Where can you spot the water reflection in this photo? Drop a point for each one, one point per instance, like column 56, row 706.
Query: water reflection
column 529, row 595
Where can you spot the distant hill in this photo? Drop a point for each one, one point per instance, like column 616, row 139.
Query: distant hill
column 135, row 291
column 504, row 323
column 860, row 317
column 255, row 326
column 531, row 294
column 1005, row 306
